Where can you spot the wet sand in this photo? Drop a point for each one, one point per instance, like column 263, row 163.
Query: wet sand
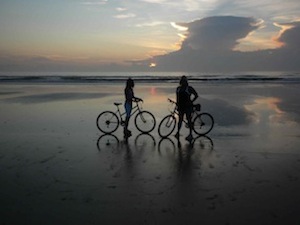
column 58, row 168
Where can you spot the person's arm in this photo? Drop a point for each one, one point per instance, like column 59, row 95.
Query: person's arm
column 177, row 96
column 136, row 99
column 195, row 94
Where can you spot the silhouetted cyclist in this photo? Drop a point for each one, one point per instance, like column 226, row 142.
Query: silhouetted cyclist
column 129, row 98
column 185, row 104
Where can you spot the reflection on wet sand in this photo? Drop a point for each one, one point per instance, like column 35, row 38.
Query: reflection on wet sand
column 55, row 162
column 171, row 149
column 108, row 142
column 111, row 142
column 199, row 142
column 147, row 141
column 266, row 110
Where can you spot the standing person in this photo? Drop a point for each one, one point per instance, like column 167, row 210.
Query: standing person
column 185, row 104
column 129, row 98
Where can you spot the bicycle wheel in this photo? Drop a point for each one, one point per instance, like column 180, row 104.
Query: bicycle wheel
column 107, row 122
column 166, row 126
column 203, row 123
column 145, row 121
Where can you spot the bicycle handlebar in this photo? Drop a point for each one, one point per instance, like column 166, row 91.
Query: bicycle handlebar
column 138, row 100
column 170, row 100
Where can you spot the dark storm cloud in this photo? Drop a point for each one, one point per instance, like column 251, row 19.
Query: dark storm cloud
column 218, row 33
column 210, row 44
column 292, row 36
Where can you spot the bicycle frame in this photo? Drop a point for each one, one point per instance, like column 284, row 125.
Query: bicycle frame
column 108, row 121
column 135, row 109
column 175, row 112
column 201, row 123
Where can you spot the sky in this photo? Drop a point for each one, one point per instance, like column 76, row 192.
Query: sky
column 149, row 35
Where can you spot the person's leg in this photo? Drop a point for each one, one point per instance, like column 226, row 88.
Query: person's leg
column 181, row 114
column 126, row 122
column 189, row 119
column 128, row 108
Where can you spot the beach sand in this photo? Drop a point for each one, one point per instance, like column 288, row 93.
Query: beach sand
column 58, row 168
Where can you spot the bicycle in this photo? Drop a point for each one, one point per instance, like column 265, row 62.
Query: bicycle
column 202, row 122
column 108, row 121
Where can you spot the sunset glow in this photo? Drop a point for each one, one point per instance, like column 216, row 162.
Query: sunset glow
column 105, row 32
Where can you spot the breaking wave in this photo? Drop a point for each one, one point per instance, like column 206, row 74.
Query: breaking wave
column 152, row 78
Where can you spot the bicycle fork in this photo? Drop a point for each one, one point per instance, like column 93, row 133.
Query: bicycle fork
column 142, row 118
column 170, row 121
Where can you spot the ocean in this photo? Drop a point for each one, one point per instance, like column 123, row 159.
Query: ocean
column 147, row 77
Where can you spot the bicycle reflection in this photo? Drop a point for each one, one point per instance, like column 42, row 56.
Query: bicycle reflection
column 108, row 142
column 166, row 146
column 199, row 143
column 187, row 157
column 145, row 141
column 203, row 143
column 112, row 143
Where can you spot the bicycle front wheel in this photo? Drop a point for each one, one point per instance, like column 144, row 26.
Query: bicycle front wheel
column 145, row 121
column 203, row 123
column 166, row 126
column 107, row 122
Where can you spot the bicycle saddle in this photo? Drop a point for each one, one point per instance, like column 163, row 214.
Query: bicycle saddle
column 117, row 103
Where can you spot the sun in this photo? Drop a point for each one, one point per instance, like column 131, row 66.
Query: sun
column 152, row 65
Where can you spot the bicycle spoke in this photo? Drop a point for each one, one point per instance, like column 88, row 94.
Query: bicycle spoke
column 107, row 122
column 167, row 126
column 203, row 123
column 145, row 122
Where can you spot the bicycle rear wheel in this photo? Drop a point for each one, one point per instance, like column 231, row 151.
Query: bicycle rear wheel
column 145, row 121
column 107, row 122
column 203, row 123
column 166, row 126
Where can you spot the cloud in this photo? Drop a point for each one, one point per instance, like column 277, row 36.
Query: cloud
column 291, row 35
column 208, row 45
column 211, row 42
column 185, row 5
column 125, row 16
column 218, row 33
column 120, row 9
column 155, row 1
column 98, row 2
column 151, row 24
